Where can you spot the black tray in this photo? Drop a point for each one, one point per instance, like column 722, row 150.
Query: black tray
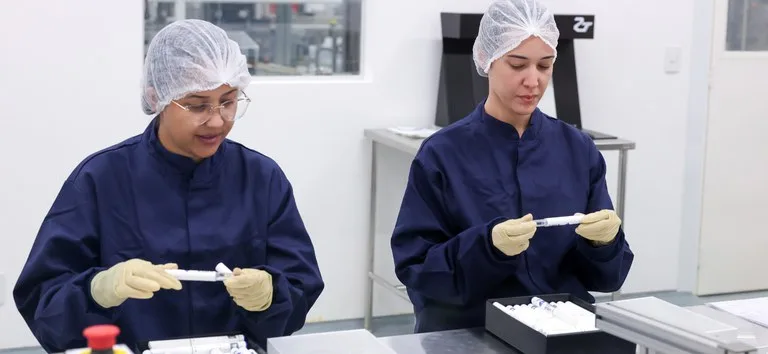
column 530, row 341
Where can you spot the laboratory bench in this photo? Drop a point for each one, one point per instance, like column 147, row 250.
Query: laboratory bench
column 479, row 341
column 461, row 341
column 384, row 138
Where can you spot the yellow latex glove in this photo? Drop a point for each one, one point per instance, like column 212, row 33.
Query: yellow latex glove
column 251, row 289
column 511, row 237
column 134, row 279
column 599, row 227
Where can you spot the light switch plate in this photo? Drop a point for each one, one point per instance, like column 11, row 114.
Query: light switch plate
column 2, row 289
column 672, row 60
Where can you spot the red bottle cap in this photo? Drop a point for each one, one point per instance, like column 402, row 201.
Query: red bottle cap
column 101, row 337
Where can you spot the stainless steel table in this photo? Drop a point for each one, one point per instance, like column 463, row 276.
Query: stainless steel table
column 658, row 327
column 384, row 138
column 342, row 342
column 478, row 341
column 464, row 341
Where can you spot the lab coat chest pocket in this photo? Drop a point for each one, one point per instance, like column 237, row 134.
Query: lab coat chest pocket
column 119, row 237
column 254, row 247
column 482, row 193
column 235, row 244
column 557, row 183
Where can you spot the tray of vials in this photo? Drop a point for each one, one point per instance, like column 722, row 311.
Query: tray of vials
column 550, row 324
column 218, row 344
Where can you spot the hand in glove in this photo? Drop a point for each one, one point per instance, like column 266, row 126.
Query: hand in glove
column 511, row 237
column 599, row 227
column 251, row 289
column 132, row 279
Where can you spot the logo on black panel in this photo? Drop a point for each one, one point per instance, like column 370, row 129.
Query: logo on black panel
column 575, row 26
column 581, row 25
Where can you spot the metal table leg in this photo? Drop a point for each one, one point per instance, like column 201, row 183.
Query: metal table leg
column 371, row 241
column 621, row 191
column 621, row 188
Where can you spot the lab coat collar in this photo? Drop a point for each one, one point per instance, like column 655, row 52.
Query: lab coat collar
column 498, row 128
column 203, row 171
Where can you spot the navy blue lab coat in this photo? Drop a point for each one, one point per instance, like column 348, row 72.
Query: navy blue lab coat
column 478, row 172
column 138, row 200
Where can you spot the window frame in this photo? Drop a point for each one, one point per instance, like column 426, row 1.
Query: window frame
column 362, row 74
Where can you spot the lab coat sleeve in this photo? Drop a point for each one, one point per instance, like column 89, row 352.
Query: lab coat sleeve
column 601, row 268
column 449, row 267
column 53, row 291
column 296, row 279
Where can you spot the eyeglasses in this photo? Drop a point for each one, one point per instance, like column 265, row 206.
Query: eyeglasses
column 231, row 110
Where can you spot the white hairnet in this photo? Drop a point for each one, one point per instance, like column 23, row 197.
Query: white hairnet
column 506, row 24
column 190, row 56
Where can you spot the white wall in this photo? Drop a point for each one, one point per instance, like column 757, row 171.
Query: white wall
column 625, row 91
column 69, row 77
column 69, row 82
column 698, row 100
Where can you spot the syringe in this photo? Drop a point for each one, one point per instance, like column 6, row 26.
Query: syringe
column 563, row 314
column 222, row 272
column 538, row 302
column 223, row 269
column 560, row 220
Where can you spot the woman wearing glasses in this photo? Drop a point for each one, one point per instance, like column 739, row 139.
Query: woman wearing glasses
column 180, row 195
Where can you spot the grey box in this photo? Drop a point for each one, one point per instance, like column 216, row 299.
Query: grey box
column 357, row 341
